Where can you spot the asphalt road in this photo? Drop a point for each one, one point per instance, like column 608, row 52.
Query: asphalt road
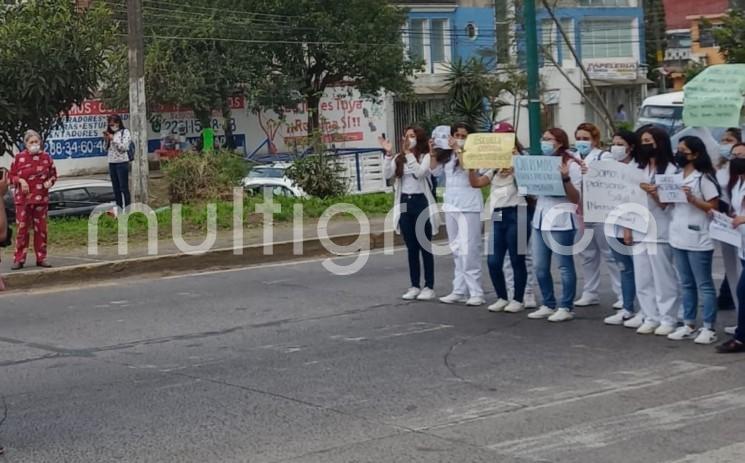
column 288, row 363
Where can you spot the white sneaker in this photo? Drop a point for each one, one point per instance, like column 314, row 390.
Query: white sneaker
column 618, row 305
column 476, row 301
column 529, row 301
column 664, row 330
column 586, row 300
column 453, row 299
column 543, row 312
column 499, row 305
column 730, row 330
column 411, row 294
column 514, row 307
column 426, row 295
column 648, row 328
column 561, row 315
column 706, row 336
column 618, row 318
column 684, row 332
column 636, row 322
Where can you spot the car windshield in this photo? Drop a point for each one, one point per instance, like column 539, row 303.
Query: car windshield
column 267, row 172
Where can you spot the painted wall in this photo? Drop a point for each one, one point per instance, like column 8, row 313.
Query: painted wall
column 677, row 11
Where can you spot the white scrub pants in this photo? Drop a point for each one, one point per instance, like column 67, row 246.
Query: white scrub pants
column 596, row 251
column 657, row 287
column 731, row 267
column 464, row 236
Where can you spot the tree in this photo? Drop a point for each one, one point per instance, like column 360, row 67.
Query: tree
column 731, row 36
column 52, row 57
column 327, row 42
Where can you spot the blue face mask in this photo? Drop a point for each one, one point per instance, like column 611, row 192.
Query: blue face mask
column 548, row 148
column 583, row 147
column 726, row 151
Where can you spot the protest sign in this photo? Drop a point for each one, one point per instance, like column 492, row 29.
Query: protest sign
column 609, row 187
column 721, row 229
column 670, row 188
column 489, row 151
column 539, row 175
column 715, row 97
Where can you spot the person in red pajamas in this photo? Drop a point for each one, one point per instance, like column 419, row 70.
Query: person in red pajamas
column 32, row 174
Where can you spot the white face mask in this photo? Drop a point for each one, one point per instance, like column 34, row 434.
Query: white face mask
column 412, row 143
column 34, row 148
column 461, row 143
column 618, row 152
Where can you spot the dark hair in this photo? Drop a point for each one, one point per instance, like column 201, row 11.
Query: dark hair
column 115, row 118
column 664, row 152
column 702, row 163
column 735, row 132
column 633, row 141
column 421, row 148
column 442, row 155
column 460, row 125
column 733, row 178
column 620, row 108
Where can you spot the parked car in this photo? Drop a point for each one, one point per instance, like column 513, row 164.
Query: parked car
column 278, row 186
column 72, row 198
column 274, row 170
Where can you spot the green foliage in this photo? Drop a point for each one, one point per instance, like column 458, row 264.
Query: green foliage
column 319, row 174
column 692, row 70
column 194, row 176
column 731, row 36
column 51, row 58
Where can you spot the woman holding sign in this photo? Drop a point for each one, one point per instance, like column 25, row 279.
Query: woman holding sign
column 413, row 197
column 555, row 226
column 692, row 244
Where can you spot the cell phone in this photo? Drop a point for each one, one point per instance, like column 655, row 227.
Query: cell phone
column 3, row 171
column 382, row 135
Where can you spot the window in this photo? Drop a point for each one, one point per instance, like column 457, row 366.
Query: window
column 101, row 194
column 437, row 40
column 76, row 195
column 553, row 41
column 679, row 40
column 471, row 31
column 607, row 38
column 416, row 39
column 607, row 3
column 706, row 37
column 429, row 40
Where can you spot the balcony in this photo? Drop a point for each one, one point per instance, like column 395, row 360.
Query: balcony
column 678, row 54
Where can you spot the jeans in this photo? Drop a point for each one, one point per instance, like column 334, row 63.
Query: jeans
column 625, row 263
column 505, row 239
column 542, row 261
column 119, row 173
column 412, row 207
column 694, row 275
column 740, row 333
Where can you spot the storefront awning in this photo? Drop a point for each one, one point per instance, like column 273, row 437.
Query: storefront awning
column 621, row 82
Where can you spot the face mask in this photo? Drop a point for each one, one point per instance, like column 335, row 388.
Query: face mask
column 726, row 150
column 547, row 148
column 412, row 143
column 647, row 151
column 618, row 152
column 681, row 160
column 460, row 143
column 737, row 166
column 34, row 149
column 583, row 147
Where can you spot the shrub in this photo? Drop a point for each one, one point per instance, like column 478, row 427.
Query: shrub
column 318, row 174
column 195, row 176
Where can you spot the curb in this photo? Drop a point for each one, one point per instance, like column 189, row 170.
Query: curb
column 179, row 263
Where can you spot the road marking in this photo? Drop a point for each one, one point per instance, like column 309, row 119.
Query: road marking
column 607, row 431
column 729, row 454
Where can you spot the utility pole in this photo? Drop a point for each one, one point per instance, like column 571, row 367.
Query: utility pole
column 658, row 25
column 137, row 105
column 534, row 100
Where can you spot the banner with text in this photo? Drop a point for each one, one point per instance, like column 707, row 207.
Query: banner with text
column 539, row 175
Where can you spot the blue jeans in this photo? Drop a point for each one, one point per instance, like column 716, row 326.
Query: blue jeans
column 625, row 262
column 505, row 239
column 414, row 206
column 119, row 173
column 740, row 333
column 694, row 275
column 542, row 264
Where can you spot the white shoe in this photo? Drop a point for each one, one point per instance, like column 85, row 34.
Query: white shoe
column 636, row 322
column 730, row 330
column 453, row 299
column 476, row 301
column 648, row 328
column 514, row 307
column 664, row 330
column 426, row 295
column 618, row 318
column 706, row 336
column 586, row 300
column 530, row 302
column 561, row 315
column 618, row 305
column 684, row 332
column 543, row 312
column 411, row 294
column 499, row 305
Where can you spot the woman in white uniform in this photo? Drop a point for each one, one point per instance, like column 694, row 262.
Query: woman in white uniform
column 727, row 299
column 654, row 272
column 587, row 137
column 462, row 206
column 693, row 248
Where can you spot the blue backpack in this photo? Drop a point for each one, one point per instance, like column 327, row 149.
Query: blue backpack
column 131, row 150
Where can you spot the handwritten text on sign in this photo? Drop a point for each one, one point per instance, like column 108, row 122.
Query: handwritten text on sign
column 609, row 187
column 670, row 188
column 539, row 175
column 489, row 151
column 714, row 98
column 721, row 229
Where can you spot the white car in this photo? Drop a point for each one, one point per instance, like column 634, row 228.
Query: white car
column 278, row 186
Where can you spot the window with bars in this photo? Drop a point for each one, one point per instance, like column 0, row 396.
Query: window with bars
column 607, row 38
column 416, row 38
column 553, row 41
column 429, row 40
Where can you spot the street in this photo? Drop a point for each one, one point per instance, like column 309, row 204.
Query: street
column 288, row 363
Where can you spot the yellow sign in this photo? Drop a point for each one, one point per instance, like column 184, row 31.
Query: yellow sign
column 489, row 151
